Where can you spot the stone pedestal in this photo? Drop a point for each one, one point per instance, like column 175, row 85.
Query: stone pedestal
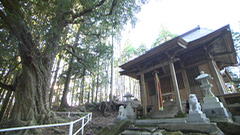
column 197, row 118
column 213, row 108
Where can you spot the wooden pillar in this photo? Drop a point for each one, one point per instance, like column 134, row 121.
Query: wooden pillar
column 217, row 77
column 144, row 94
column 185, row 81
column 175, row 86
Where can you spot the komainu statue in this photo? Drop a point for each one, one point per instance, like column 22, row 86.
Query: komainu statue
column 194, row 105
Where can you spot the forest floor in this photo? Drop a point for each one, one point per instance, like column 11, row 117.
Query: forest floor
column 99, row 121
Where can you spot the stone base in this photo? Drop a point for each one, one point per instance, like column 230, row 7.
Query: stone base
column 197, row 118
column 212, row 102
column 213, row 108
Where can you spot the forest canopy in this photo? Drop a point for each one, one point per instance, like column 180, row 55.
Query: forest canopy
column 39, row 37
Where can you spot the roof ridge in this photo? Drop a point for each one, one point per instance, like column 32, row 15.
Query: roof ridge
column 189, row 32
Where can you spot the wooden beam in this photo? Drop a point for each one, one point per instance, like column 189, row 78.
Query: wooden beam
column 156, row 66
column 223, row 54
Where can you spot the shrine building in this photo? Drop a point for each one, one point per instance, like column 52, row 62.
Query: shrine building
column 179, row 61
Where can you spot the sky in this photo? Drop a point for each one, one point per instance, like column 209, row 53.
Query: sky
column 180, row 16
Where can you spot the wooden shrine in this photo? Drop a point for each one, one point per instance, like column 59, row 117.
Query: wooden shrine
column 179, row 61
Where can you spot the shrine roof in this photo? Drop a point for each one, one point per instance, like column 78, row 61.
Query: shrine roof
column 218, row 42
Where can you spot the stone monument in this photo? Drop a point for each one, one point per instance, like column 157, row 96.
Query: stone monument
column 195, row 114
column 212, row 107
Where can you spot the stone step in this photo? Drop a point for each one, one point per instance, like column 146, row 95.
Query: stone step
column 142, row 131
column 151, row 122
column 131, row 132
column 170, row 110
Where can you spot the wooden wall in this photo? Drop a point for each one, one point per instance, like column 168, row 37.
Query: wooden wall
column 206, row 68
column 192, row 73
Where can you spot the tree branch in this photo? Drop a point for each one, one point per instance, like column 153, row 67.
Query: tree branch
column 13, row 19
column 114, row 3
column 75, row 55
column 7, row 87
column 86, row 11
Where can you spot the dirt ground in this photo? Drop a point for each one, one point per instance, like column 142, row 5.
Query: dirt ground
column 99, row 121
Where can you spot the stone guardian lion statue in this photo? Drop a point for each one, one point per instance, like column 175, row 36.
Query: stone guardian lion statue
column 194, row 105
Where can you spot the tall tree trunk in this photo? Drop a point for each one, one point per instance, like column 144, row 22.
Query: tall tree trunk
column 4, row 105
column 82, row 87
column 73, row 90
column 31, row 95
column 88, row 98
column 112, row 70
column 54, row 81
column 97, row 87
column 64, row 103
column 2, row 94
column 10, row 106
column 93, row 87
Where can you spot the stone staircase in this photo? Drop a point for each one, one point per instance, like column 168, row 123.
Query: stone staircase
column 150, row 126
column 143, row 131
column 170, row 110
column 163, row 126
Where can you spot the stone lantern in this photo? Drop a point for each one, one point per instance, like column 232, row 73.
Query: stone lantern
column 129, row 110
column 128, row 97
column 205, row 84
column 212, row 107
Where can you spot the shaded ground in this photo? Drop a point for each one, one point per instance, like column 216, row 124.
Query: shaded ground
column 99, row 121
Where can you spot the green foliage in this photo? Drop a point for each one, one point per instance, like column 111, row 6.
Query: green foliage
column 130, row 52
column 236, row 40
column 36, row 31
column 163, row 36
column 235, row 77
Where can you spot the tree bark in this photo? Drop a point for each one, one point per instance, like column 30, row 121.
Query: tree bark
column 97, row 87
column 112, row 70
column 64, row 103
column 93, row 87
column 82, row 87
column 31, row 96
column 4, row 106
column 54, row 81
column 73, row 90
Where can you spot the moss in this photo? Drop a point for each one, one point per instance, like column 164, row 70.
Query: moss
column 180, row 115
column 104, row 130
column 173, row 133
column 118, row 128
column 229, row 128
column 144, row 117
